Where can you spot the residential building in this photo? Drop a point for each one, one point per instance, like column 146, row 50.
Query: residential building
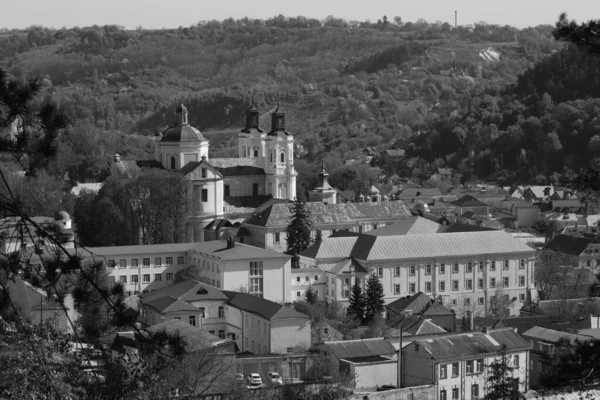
column 469, row 203
column 16, row 233
column 547, row 345
column 256, row 325
column 467, row 271
column 458, row 363
column 412, row 325
column 535, row 194
column 267, row 227
column 305, row 278
column 421, row 305
column 572, row 250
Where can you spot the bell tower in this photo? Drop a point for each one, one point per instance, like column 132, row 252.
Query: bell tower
column 250, row 140
column 279, row 161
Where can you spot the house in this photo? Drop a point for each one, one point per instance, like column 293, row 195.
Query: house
column 268, row 226
column 547, row 345
column 413, row 325
column 255, row 324
column 524, row 214
column 458, row 363
column 421, row 305
column 373, row 362
column 467, row 270
column 535, row 194
column 195, row 337
column 414, row 195
column 304, row 278
column 470, row 204
column 582, row 251
column 16, row 233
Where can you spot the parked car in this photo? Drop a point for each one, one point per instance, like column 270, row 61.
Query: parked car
column 383, row 388
column 254, row 378
column 239, row 377
column 275, row 378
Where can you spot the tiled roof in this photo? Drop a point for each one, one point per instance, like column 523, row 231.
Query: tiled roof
column 278, row 215
column 192, row 165
column 425, row 192
column 137, row 249
column 553, row 336
column 331, row 247
column 413, row 304
column 165, row 304
column 218, row 223
column 195, row 338
column 538, row 191
column 568, row 244
column 265, row 308
column 239, row 166
column 357, row 348
column 219, row 250
column 473, row 344
column 190, row 290
column 522, row 323
column 436, row 245
column 415, row 325
column 409, row 226
column 347, row 264
column 469, row 201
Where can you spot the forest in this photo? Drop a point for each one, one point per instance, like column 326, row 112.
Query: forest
column 515, row 104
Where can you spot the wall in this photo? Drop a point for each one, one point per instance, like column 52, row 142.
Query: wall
column 241, row 186
column 276, row 277
column 287, row 333
column 427, row 392
column 526, row 216
column 370, row 375
column 256, row 333
column 234, row 323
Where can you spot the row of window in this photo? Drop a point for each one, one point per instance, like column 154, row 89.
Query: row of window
column 412, row 287
column 134, row 262
column 471, row 367
column 307, row 279
column 455, row 393
column 412, row 270
column 133, row 279
column 207, row 265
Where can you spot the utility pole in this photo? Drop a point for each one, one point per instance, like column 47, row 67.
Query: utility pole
column 455, row 19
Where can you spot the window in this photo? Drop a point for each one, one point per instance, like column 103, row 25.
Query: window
column 396, row 288
column 442, row 269
column 123, row 278
column 469, row 267
column 158, row 261
column 346, row 281
column 516, row 361
column 474, row 391
column 226, row 190
column 146, row 262
column 492, row 283
column 505, row 267
column 111, row 263
column 481, row 266
column 493, row 266
column 222, row 333
column 180, row 260
column 111, row 280
column 298, row 279
column 479, row 366
column 443, row 371
column 455, row 285
column 169, row 276
column 146, row 278
column 256, row 278
column 467, row 301
column 134, row 263
column 469, row 284
column 218, row 284
column 202, row 312
column 412, row 270
column 428, row 269
column 380, row 272
column 122, row 263
column 428, row 286
column 480, row 300
column 454, row 302
column 589, row 263
column 203, row 172
column 316, row 278
column 169, row 261
column 522, row 280
column 346, row 293
column 522, row 297
column 505, row 281
column 218, row 267
column 522, row 264
column 412, row 288
column 455, row 268
column 276, row 237
column 396, row 271
column 134, row 279
column 213, row 282
column 454, row 370
column 157, row 277
column 547, row 348
column 470, row 367
column 443, row 394
column 442, row 286
column 454, row 393
column 204, row 195
column 193, row 320
column 282, row 157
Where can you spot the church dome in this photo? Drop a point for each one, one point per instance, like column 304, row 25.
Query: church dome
column 182, row 133
column 62, row 216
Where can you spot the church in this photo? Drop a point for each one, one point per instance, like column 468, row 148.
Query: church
column 227, row 189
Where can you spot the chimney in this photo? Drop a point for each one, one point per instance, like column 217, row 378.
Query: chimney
column 230, row 243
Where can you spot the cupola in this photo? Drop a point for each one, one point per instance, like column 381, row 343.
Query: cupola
column 181, row 115
column 252, row 119
column 278, row 122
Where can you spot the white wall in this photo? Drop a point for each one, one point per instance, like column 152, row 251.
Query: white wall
column 369, row 375
column 287, row 333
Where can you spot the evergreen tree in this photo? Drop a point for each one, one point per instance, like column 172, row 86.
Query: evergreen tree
column 356, row 309
column 500, row 382
column 312, row 296
column 373, row 299
column 298, row 231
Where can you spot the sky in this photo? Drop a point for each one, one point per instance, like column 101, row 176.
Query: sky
column 156, row 14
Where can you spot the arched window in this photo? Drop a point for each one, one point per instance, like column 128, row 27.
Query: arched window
column 256, row 152
column 173, row 162
column 282, row 157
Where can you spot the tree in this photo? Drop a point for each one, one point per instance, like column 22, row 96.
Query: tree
column 584, row 35
column 500, row 382
column 374, row 303
column 312, row 296
column 298, row 231
column 575, row 367
column 356, row 307
column 190, row 272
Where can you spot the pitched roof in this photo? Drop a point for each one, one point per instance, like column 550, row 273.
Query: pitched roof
column 436, row 245
column 554, row 336
column 522, row 323
column 137, row 249
column 568, row 244
column 239, row 166
column 278, row 215
column 458, row 227
column 413, row 304
column 469, row 201
column 538, row 191
column 415, row 325
column 344, row 233
column 192, row 165
column 263, row 307
column 347, row 265
column 165, row 304
column 357, row 348
column 240, row 251
column 195, row 338
column 425, row 192
column 190, row 290
column 331, row 247
column 409, row 226
column 471, row 344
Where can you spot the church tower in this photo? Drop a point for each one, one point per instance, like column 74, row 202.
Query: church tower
column 324, row 192
column 181, row 143
column 251, row 142
column 279, row 162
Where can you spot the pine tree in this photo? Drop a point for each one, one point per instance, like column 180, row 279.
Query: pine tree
column 373, row 299
column 500, row 382
column 298, row 231
column 356, row 308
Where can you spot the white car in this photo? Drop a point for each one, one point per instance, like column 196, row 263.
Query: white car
column 274, row 377
column 254, row 378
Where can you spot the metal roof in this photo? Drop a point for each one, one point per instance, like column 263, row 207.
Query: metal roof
column 554, row 336
column 336, row 247
column 409, row 226
column 263, row 307
column 357, row 348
